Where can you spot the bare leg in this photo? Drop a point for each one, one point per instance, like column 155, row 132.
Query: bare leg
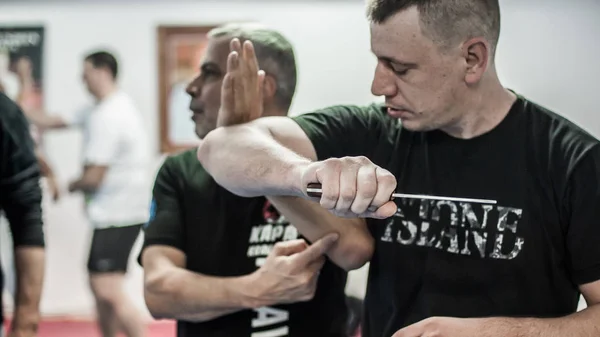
column 116, row 312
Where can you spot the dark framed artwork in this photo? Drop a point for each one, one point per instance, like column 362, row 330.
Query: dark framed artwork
column 22, row 68
column 180, row 49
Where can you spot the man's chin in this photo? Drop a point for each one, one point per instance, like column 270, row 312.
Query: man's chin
column 202, row 132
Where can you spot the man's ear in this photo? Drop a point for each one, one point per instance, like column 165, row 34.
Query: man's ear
column 476, row 53
column 269, row 88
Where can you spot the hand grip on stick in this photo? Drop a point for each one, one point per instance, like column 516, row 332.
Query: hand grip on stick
column 314, row 190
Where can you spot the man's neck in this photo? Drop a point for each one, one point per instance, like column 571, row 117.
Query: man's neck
column 482, row 112
column 105, row 92
column 273, row 111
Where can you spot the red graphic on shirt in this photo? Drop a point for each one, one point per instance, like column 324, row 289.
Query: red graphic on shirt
column 270, row 213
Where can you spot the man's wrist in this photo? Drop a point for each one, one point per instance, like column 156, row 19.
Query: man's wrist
column 509, row 326
column 249, row 291
column 26, row 319
column 294, row 177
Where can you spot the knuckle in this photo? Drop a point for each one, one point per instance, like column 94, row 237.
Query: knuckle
column 368, row 188
column 289, row 266
column 348, row 194
column 278, row 247
column 388, row 181
column 309, row 297
column 363, row 160
column 332, row 162
column 306, row 280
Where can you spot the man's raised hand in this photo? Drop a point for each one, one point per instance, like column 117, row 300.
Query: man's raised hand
column 242, row 89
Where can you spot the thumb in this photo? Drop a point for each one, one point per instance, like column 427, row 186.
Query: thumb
column 287, row 248
column 386, row 210
column 414, row 330
column 317, row 249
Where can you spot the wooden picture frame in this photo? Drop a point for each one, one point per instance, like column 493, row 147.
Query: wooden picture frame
column 179, row 52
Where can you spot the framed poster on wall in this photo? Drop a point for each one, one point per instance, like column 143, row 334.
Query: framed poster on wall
column 180, row 49
column 21, row 65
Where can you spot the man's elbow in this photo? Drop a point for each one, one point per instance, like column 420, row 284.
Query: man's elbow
column 355, row 254
column 162, row 294
column 159, row 292
column 214, row 158
column 204, row 152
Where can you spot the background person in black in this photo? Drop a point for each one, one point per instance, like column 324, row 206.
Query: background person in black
column 223, row 265
column 20, row 199
column 512, row 267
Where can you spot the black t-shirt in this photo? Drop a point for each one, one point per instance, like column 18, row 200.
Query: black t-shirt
column 226, row 235
column 20, row 192
column 523, row 256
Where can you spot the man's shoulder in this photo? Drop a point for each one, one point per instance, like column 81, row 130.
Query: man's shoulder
column 119, row 106
column 9, row 112
column 565, row 140
column 13, row 122
column 346, row 117
column 351, row 109
column 182, row 162
column 556, row 124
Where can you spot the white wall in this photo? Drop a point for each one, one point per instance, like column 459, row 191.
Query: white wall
column 547, row 51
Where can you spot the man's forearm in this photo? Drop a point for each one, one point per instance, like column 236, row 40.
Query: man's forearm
column 355, row 245
column 45, row 168
column 585, row 323
column 45, row 121
column 249, row 162
column 184, row 295
column 83, row 186
column 29, row 262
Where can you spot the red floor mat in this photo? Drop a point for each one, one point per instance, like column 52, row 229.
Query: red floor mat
column 66, row 328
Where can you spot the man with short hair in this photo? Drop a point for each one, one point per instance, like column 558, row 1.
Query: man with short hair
column 500, row 235
column 20, row 201
column 223, row 265
column 116, row 188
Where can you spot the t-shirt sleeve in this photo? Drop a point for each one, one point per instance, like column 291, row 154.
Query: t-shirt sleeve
column 583, row 234
column 166, row 225
column 103, row 139
column 344, row 130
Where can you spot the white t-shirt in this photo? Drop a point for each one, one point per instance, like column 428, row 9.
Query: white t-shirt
column 114, row 136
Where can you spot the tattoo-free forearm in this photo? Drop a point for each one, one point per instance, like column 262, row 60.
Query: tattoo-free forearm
column 45, row 121
column 83, row 186
column 184, row 295
column 355, row 245
column 585, row 323
column 29, row 262
column 249, row 162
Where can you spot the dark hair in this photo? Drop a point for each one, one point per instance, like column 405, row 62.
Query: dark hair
column 274, row 53
column 104, row 59
column 446, row 22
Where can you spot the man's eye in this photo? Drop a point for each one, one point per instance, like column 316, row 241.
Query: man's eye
column 209, row 73
column 399, row 72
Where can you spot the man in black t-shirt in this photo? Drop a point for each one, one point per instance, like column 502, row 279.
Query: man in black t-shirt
column 500, row 236
column 224, row 265
column 20, row 200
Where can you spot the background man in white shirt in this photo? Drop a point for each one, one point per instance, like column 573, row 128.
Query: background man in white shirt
column 115, row 184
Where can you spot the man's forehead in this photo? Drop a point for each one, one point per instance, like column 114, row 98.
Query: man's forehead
column 216, row 52
column 400, row 36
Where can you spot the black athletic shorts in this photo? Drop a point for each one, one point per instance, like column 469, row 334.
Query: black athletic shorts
column 111, row 247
